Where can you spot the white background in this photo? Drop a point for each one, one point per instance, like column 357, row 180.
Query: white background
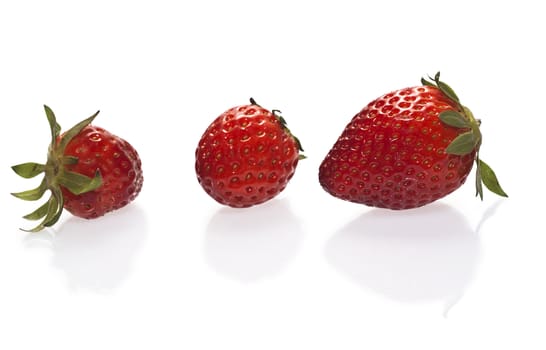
column 175, row 270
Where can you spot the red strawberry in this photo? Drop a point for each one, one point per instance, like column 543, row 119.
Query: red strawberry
column 406, row 149
column 246, row 156
column 89, row 172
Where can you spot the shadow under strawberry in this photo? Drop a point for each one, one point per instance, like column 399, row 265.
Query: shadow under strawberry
column 254, row 243
column 97, row 255
column 420, row 255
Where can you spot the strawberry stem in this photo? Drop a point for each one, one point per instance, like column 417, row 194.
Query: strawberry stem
column 467, row 141
column 282, row 121
column 55, row 174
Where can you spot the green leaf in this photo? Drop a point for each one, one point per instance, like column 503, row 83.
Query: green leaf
column 298, row 144
column 462, row 144
column 75, row 130
column 34, row 194
column 59, row 200
column 447, row 90
column 28, row 170
column 78, row 183
column 455, row 119
column 70, row 160
column 53, row 125
column 52, row 209
column 38, row 213
column 489, row 179
column 479, row 187
column 426, row 82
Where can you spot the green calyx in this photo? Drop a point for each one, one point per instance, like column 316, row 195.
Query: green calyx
column 469, row 140
column 55, row 175
column 282, row 121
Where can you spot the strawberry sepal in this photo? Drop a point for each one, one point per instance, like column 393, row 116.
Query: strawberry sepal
column 78, row 183
column 454, row 119
column 75, row 130
column 486, row 175
column 34, row 194
column 28, row 170
column 463, row 144
column 282, row 121
column 468, row 141
column 55, row 175
column 38, row 213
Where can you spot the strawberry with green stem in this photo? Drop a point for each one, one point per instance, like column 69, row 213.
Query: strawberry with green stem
column 246, row 156
column 468, row 141
column 407, row 149
column 89, row 171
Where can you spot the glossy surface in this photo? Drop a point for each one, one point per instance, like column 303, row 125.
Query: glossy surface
column 176, row 270
column 120, row 167
column 245, row 157
column 392, row 154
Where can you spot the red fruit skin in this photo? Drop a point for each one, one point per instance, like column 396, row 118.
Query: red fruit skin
column 392, row 153
column 119, row 165
column 245, row 157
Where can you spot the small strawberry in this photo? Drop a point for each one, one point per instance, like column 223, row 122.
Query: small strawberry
column 246, row 156
column 89, row 172
column 406, row 149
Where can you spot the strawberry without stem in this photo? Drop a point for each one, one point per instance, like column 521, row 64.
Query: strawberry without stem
column 406, row 149
column 246, row 156
column 89, row 172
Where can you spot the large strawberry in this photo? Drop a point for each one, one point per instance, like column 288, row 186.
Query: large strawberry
column 246, row 156
column 89, row 172
column 406, row 149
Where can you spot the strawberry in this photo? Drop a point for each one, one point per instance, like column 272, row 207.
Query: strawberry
column 89, row 172
column 407, row 149
column 246, row 156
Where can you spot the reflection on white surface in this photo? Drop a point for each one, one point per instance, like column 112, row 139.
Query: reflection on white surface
column 489, row 212
column 253, row 243
column 426, row 254
column 97, row 254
